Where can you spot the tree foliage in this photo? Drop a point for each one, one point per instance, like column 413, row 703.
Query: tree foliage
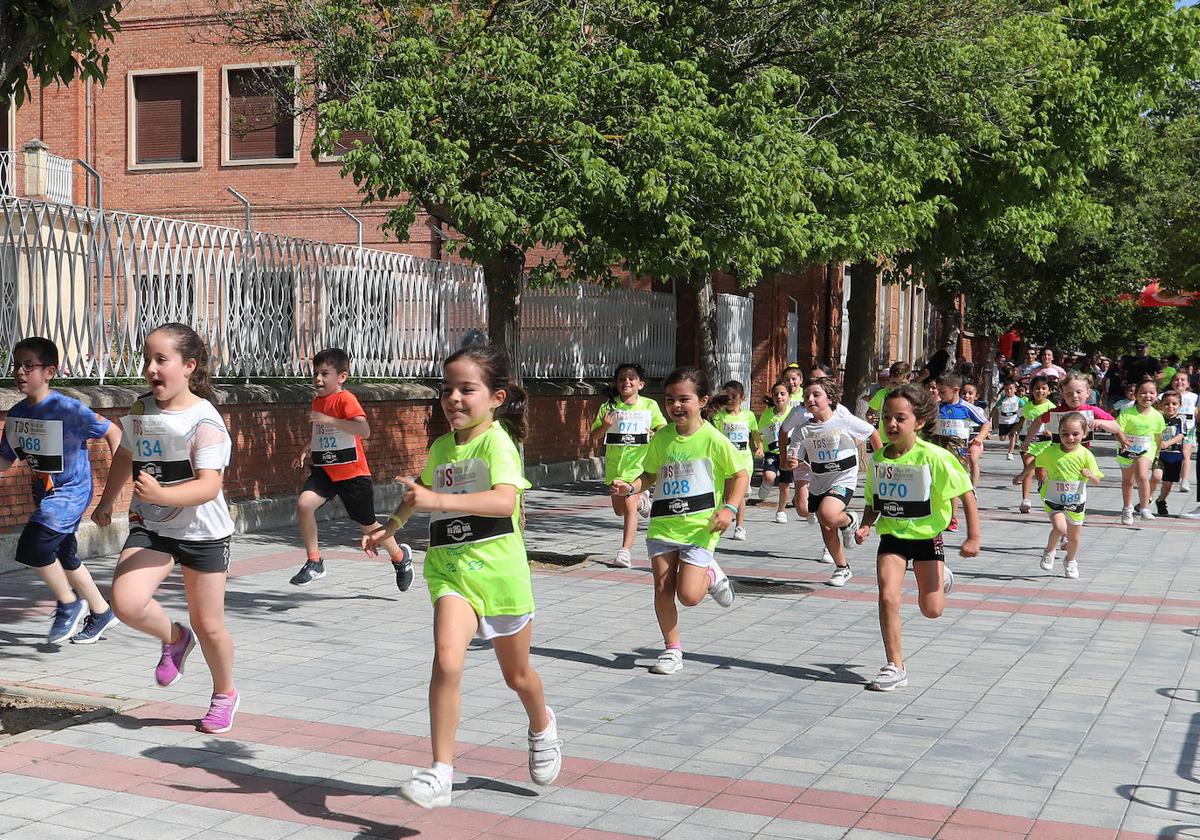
column 53, row 40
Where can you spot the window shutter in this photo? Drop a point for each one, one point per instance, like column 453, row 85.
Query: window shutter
column 261, row 126
column 166, row 118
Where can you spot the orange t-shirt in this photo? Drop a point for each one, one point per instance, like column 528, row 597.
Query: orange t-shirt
column 344, row 406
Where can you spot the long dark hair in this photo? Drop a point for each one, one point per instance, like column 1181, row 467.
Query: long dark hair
column 493, row 363
column 700, row 382
column 611, row 395
column 191, row 347
column 923, row 406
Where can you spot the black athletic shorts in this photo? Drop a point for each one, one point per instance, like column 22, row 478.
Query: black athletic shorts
column 771, row 461
column 912, row 549
column 40, row 546
column 199, row 555
column 1006, row 429
column 842, row 494
column 1171, row 470
column 357, row 494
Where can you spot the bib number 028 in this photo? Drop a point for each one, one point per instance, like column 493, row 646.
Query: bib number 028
column 680, row 487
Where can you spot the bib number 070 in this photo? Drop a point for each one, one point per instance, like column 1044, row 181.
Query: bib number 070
column 893, row 490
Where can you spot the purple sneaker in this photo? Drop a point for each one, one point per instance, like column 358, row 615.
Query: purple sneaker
column 170, row 667
column 220, row 713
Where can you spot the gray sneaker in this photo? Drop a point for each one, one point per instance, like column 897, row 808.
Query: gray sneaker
column 840, row 575
column 721, row 589
column 848, row 530
column 890, row 677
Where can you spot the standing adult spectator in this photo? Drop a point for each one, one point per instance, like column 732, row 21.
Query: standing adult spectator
column 1031, row 363
column 1141, row 364
column 1049, row 368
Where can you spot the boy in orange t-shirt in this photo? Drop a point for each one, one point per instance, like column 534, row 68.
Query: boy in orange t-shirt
column 339, row 468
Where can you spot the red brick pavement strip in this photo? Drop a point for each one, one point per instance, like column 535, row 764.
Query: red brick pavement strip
column 282, row 799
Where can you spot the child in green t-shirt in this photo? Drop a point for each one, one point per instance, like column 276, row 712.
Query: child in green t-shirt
column 1037, row 440
column 625, row 424
column 476, row 566
column 699, row 487
column 1144, row 425
column 910, row 487
column 739, row 425
column 773, row 474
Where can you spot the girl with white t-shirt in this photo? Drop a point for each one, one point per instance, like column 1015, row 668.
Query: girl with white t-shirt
column 829, row 444
column 1187, row 410
column 176, row 447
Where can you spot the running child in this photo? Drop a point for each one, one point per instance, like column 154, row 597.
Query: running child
column 970, row 396
column 799, row 414
column 699, row 486
column 829, row 442
column 176, row 447
column 476, row 566
column 1181, row 385
column 1130, row 398
column 1068, row 466
column 899, row 373
column 339, row 468
column 1074, row 391
column 953, row 430
column 1144, row 425
column 1007, row 411
column 49, row 431
column 910, row 486
column 625, row 425
column 738, row 424
column 773, row 475
column 1170, row 456
column 1036, row 441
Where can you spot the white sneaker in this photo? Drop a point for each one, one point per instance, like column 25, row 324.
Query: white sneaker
column 826, row 557
column 1194, row 513
column 1071, row 569
column 849, row 529
column 644, row 505
column 721, row 589
column 1127, row 516
column 1025, row 506
column 670, row 661
column 427, row 789
column 1185, row 486
column 739, row 532
column 1008, row 457
column 811, row 519
column 624, row 558
column 781, row 516
column 545, row 753
column 947, row 579
column 890, row 677
column 841, row 574
column 1146, row 514
column 764, row 491
column 1047, row 561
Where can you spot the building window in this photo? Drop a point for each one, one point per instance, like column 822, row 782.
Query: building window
column 165, row 125
column 259, row 114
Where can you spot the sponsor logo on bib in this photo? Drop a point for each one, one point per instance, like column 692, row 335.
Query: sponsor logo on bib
column 459, row 530
column 892, row 509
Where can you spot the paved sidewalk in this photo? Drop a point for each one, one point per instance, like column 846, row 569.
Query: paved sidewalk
column 1037, row 706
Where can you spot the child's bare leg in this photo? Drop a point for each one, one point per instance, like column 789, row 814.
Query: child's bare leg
column 889, row 570
column 665, row 568
column 306, row 521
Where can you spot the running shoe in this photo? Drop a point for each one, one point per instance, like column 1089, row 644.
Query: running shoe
column 953, row 526
column 170, row 666
column 841, row 574
column 427, row 788
column 1047, row 561
column 670, row 661
column 890, row 677
column 721, row 589
column 1071, row 569
column 764, row 491
column 221, row 710
column 94, row 626
column 309, row 572
column 811, row 519
column 644, row 505
column 624, row 558
column 1194, row 513
column 1185, row 486
column 739, row 532
column 1126, row 516
column 947, row 579
column 1146, row 515
column 826, row 557
column 404, row 569
column 545, row 753
column 1026, row 506
column 1161, row 507
column 1008, row 457
column 781, row 516
column 849, row 529
column 1062, row 543
column 67, row 620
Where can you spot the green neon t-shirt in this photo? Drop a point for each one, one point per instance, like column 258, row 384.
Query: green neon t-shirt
column 1065, row 488
column 738, row 428
column 626, row 440
column 912, row 492
column 481, row 558
column 691, row 472
column 1143, row 430
column 768, row 428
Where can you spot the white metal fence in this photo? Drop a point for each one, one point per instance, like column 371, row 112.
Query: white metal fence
column 735, row 340
column 96, row 284
column 41, row 176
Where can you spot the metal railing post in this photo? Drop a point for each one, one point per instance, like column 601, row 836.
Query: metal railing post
column 358, row 281
column 102, row 250
column 247, row 241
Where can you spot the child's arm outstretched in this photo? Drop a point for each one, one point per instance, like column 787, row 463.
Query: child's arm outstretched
column 735, row 495
column 1113, row 428
column 970, row 546
column 119, row 472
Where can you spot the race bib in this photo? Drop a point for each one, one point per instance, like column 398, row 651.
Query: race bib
column 953, row 427
column 770, row 436
column 156, row 450
column 331, row 446
column 1139, row 444
column 1067, row 495
column 825, row 454
column 39, row 442
column 631, row 429
column 1010, row 410
column 738, row 434
column 1187, row 404
column 901, row 491
column 684, row 487
column 449, row 529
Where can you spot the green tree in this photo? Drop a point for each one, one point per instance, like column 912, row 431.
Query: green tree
column 54, row 40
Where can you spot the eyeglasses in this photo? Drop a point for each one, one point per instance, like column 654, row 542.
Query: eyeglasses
column 27, row 366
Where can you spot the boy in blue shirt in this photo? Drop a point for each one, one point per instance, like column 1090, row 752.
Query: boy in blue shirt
column 960, row 425
column 50, row 431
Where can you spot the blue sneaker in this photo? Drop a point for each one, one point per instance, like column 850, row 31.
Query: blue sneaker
column 67, row 618
column 404, row 569
column 94, row 626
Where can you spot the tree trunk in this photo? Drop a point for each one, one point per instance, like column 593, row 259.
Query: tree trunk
column 706, row 323
column 953, row 333
column 862, row 309
column 502, row 275
column 986, row 368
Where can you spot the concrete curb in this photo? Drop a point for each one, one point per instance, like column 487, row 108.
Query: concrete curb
column 108, row 704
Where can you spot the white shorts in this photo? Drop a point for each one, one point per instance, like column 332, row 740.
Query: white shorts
column 693, row 555
column 495, row 626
